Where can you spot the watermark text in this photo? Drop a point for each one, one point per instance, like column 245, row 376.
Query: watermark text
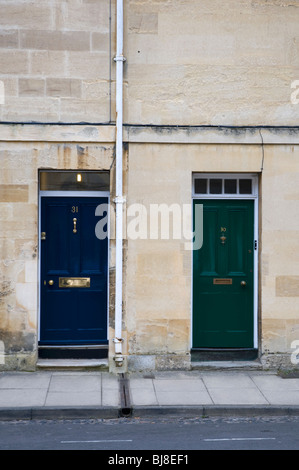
column 2, row 353
column 2, row 92
column 158, row 222
column 295, row 93
column 295, row 354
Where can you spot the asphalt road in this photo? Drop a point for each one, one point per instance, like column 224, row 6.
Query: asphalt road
column 163, row 434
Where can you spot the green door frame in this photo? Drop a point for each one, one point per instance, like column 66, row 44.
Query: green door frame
column 253, row 196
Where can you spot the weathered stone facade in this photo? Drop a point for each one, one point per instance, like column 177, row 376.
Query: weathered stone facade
column 55, row 61
column 206, row 89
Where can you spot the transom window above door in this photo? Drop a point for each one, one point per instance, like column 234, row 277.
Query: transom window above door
column 224, row 185
column 74, row 180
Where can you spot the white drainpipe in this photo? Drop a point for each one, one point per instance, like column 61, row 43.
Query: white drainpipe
column 119, row 199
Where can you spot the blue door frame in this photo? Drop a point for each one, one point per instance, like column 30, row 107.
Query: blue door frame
column 74, row 272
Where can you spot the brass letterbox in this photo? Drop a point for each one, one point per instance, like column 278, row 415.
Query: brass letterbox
column 74, row 282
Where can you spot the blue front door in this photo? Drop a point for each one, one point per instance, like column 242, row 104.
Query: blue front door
column 74, row 272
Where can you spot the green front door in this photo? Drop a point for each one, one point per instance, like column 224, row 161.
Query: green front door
column 223, row 276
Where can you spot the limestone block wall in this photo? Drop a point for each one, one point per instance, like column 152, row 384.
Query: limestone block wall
column 159, row 295
column 19, row 256
column 56, row 60
column 210, row 63
column 157, row 303
column 188, row 63
column 280, row 252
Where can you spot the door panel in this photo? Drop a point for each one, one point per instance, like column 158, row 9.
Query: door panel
column 209, row 257
column 237, row 259
column 222, row 305
column 73, row 315
column 56, row 256
column 91, row 260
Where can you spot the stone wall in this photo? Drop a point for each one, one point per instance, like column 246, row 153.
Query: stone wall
column 19, row 260
column 210, row 63
column 158, row 295
column 157, row 273
column 56, row 60
column 188, row 63
column 280, row 256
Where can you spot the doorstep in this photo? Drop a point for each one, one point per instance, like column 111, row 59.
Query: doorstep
column 83, row 352
column 226, row 365
column 72, row 364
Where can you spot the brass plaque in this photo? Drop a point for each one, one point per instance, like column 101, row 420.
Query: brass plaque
column 222, row 281
column 74, row 282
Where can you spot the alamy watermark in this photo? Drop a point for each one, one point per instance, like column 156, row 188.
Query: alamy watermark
column 158, row 222
column 2, row 353
column 2, row 92
column 295, row 93
column 295, row 354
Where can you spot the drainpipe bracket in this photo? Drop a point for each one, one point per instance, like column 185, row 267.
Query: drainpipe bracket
column 119, row 200
column 117, row 340
column 119, row 58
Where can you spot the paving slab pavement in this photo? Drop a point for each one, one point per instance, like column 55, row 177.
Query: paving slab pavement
column 94, row 394
column 58, row 393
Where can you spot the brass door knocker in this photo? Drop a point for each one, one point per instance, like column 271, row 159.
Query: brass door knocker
column 75, row 225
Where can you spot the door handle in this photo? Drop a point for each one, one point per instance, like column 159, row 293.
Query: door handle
column 75, row 225
column 51, row 282
column 243, row 283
